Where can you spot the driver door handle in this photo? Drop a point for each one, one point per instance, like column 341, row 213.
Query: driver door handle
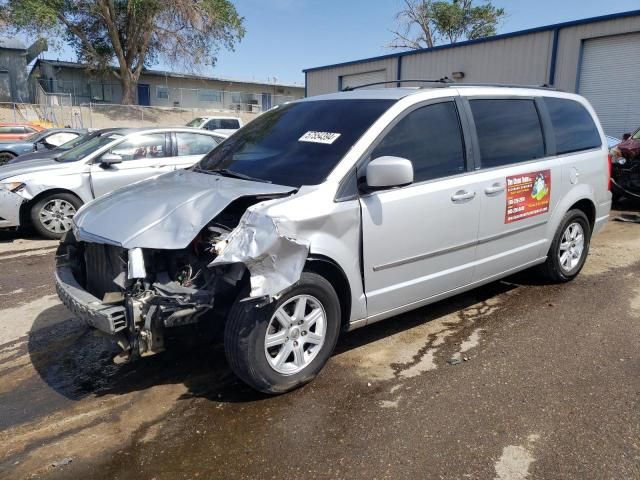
column 494, row 189
column 462, row 196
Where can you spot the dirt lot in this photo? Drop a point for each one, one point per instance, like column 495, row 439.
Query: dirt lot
column 515, row 380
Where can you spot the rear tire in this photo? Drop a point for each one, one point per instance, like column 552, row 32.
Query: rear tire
column 281, row 346
column 5, row 157
column 569, row 249
column 51, row 215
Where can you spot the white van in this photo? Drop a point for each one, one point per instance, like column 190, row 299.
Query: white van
column 337, row 211
column 222, row 125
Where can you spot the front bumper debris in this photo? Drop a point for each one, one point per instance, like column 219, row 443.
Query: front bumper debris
column 109, row 319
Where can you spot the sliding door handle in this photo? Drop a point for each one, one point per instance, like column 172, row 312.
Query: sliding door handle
column 494, row 189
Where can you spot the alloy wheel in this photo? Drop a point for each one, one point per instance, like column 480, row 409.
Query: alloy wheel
column 295, row 334
column 56, row 215
column 571, row 247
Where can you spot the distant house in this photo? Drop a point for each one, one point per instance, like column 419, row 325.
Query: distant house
column 160, row 88
column 14, row 58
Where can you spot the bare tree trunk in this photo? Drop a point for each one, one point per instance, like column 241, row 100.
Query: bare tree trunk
column 128, row 88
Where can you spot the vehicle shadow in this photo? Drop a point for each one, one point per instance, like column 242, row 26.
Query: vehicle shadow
column 76, row 362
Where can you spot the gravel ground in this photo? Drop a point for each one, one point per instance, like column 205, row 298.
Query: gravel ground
column 514, row 380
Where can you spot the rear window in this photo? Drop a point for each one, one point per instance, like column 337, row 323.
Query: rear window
column 509, row 131
column 573, row 126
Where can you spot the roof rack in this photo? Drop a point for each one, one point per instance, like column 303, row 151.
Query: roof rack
column 447, row 82
column 544, row 86
column 443, row 80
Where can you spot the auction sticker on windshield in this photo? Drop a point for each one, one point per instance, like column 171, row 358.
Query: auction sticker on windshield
column 320, row 137
column 528, row 195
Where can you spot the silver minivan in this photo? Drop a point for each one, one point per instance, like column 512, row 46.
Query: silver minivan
column 47, row 192
column 337, row 211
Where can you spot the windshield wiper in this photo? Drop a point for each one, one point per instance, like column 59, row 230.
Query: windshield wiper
column 229, row 173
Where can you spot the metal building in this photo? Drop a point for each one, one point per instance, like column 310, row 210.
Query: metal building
column 597, row 57
column 14, row 58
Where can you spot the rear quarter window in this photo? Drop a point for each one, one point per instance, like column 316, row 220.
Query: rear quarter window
column 573, row 126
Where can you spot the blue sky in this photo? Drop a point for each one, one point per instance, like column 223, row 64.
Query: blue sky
column 285, row 36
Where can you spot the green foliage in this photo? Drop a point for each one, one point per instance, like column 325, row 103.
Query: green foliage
column 131, row 33
column 448, row 20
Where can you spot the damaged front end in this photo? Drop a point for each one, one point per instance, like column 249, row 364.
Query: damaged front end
column 136, row 294
column 625, row 168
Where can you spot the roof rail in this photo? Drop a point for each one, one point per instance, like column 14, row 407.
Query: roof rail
column 509, row 85
column 443, row 80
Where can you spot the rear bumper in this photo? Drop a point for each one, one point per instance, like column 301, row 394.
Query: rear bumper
column 10, row 209
column 109, row 319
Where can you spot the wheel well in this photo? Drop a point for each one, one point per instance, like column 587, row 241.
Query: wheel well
column 335, row 275
column 588, row 208
column 25, row 208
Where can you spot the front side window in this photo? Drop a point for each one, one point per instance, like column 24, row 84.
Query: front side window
column 59, row 138
column 141, row 146
column 509, row 131
column 431, row 138
column 194, row 144
column 573, row 126
column 295, row 144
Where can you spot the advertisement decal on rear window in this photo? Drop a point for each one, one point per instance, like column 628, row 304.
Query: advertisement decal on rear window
column 528, row 195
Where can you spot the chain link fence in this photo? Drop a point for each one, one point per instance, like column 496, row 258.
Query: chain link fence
column 100, row 115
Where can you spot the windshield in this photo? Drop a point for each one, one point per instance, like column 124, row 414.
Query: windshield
column 74, row 142
column 636, row 136
column 196, row 122
column 34, row 137
column 295, row 144
column 84, row 149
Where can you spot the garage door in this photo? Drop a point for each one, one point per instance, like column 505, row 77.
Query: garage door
column 610, row 79
column 364, row 79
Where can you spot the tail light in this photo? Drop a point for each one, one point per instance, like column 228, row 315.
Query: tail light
column 609, row 169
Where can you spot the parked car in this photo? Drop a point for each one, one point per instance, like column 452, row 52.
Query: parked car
column 337, row 211
column 18, row 131
column 45, row 140
column 225, row 125
column 47, row 193
column 56, row 152
column 625, row 166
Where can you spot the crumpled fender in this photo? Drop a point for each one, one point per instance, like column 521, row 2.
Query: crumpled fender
column 268, row 247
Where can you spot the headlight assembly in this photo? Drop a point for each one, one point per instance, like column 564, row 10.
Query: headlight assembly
column 12, row 186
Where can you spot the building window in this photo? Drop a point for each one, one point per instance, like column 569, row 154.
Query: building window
column 209, row 95
column 162, row 91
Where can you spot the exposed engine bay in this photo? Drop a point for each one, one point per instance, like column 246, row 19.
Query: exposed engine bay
column 142, row 292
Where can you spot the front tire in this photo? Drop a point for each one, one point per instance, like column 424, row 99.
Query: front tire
column 569, row 249
column 51, row 215
column 281, row 346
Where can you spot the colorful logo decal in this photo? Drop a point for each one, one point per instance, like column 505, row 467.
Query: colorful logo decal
column 528, row 195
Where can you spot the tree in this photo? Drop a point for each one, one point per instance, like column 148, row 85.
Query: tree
column 425, row 23
column 133, row 34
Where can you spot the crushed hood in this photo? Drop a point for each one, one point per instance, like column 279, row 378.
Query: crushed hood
column 164, row 212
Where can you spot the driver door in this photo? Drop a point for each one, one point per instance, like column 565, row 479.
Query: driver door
column 143, row 156
column 419, row 241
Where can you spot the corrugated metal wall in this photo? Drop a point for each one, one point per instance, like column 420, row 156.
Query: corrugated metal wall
column 522, row 59
column 327, row 80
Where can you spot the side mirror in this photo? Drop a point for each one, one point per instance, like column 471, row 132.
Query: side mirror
column 386, row 172
column 626, row 136
column 109, row 159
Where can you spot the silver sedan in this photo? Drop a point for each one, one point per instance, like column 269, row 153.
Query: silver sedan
column 47, row 193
